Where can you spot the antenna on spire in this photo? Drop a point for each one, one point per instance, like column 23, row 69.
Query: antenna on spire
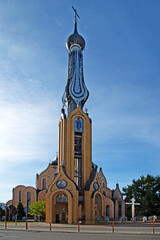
column 76, row 14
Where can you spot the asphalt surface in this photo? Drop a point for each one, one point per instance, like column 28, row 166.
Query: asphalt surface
column 37, row 235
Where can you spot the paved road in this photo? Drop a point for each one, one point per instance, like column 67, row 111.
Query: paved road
column 37, row 235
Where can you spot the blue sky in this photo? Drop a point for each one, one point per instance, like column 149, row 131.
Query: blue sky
column 121, row 71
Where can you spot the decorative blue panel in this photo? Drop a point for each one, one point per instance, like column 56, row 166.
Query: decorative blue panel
column 78, row 125
column 61, row 184
column 61, row 198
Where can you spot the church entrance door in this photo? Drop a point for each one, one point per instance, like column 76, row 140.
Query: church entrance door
column 61, row 208
column 63, row 216
column 61, row 213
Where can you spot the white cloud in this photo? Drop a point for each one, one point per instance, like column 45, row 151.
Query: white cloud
column 28, row 131
column 28, row 121
column 29, row 114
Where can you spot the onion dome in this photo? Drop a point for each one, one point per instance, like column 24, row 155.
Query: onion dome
column 55, row 161
column 75, row 39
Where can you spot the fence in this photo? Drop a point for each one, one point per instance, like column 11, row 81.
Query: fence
column 111, row 227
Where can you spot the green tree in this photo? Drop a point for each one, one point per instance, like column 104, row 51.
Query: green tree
column 20, row 210
column 2, row 213
column 146, row 191
column 38, row 208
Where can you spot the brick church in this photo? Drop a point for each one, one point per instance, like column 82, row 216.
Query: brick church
column 71, row 185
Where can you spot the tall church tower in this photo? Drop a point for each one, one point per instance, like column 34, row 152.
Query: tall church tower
column 75, row 129
column 75, row 192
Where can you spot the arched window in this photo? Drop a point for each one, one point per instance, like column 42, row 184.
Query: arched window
column 61, row 198
column 96, row 199
column 119, row 209
column 107, row 210
column 28, row 198
column 20, row 196
column 44, row 183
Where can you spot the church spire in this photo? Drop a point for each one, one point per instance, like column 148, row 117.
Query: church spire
column 75, row 27
column 76, row 91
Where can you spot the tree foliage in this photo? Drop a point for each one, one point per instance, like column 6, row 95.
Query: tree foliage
column 20, row 210
column 38, row 208
column 2, row 213
column 146, row 191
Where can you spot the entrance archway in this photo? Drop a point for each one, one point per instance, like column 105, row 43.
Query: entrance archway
column 61, row 208
column 98, row 206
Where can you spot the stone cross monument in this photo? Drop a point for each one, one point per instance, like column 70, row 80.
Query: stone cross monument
column 133, row 207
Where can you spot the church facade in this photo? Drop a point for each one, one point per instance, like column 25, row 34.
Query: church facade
column 71, row 185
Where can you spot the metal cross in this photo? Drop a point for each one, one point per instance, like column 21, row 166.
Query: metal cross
column 76, row 14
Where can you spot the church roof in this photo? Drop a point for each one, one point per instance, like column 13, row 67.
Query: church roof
column 93, row 174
